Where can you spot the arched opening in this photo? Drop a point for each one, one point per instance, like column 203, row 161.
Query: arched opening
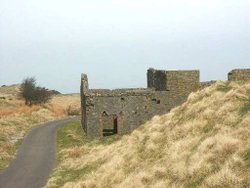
column 109, row 124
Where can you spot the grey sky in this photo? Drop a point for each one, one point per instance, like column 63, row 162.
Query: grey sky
column 115, row 41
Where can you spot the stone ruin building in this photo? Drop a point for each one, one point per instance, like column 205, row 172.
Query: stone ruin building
column 107, row 112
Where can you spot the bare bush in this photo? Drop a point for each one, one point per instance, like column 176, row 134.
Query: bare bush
column 33, row 94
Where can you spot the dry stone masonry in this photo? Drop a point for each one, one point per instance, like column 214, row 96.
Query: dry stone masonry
column 106, row 112
column 239, row 75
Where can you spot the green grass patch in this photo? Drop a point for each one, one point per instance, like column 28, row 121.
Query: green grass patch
column 68, row 136
column 70, row 175
column 224, row 88
column 72, row 135
column 108, row 140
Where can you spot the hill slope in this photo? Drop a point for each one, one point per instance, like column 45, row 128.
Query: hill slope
column 16, row 119
column 203, row 143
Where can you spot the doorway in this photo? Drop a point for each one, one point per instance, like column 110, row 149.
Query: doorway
column 115, row 123
column 109, row 124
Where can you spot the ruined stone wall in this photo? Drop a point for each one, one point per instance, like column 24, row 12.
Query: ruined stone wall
column 126, row 109
column 130, row 108
column 157, row 79
column 181, row 82
column 239, row 75
column 151, row 78
column 84, row 88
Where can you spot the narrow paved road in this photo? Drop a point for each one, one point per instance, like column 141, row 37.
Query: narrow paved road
column 35, row 158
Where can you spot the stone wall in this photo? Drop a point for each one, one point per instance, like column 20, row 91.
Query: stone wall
column 239, row 75
column 129, row 109
column 120, row 111
column 123, row 110
column 157, row 79
column 179, row 84
column 179, row 81
column 84, row 94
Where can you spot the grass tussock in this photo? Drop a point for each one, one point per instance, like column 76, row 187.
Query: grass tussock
column 16, row 118
column 203, row 143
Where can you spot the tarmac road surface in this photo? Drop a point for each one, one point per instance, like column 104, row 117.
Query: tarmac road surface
column 35, row 159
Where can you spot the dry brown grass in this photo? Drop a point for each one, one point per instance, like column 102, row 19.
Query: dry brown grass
column 16, row 118
column 20, row 108
column 62, row 103
column 203, row 143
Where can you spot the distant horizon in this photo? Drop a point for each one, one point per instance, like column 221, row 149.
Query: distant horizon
column 116, row 41
column 14, row 84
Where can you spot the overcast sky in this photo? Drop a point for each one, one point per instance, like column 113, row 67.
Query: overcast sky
column 116, row 41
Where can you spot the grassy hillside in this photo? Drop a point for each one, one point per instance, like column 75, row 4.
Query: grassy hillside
column 16, row 118
column 203, row 143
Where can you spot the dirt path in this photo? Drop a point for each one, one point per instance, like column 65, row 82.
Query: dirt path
column 35, row 158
